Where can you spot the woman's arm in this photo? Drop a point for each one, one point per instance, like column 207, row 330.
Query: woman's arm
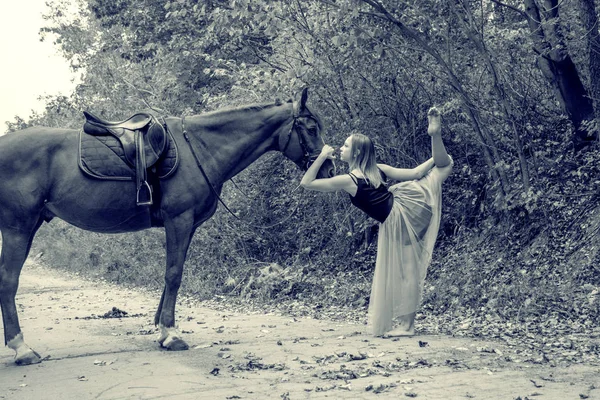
column 335, row 184
column 407, row 174
column 340, row 182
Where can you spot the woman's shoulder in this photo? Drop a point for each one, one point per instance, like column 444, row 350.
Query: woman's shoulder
column 357, row 174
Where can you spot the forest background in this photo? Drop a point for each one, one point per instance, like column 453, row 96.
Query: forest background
column 518, row 85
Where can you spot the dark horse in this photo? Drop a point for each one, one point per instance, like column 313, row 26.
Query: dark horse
column 40, row 179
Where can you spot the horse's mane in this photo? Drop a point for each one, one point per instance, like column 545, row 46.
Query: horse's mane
column 242, row 108
column 211, row 117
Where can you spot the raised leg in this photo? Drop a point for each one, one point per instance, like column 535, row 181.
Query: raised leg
column 179, row 232
column 15, row 248
column 438, row 150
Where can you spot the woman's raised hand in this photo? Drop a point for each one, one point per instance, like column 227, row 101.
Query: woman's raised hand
column 435, row 122
column 327, row 152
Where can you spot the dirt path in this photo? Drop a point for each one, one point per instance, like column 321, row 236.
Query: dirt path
column 258, row 356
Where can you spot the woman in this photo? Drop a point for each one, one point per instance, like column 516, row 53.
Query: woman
column 409, row 217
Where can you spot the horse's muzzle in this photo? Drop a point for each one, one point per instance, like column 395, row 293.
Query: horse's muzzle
column 327, row 170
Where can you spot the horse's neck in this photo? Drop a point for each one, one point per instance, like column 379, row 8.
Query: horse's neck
column 234, row 141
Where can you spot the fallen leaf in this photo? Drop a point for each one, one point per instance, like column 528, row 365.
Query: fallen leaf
column 536, row 384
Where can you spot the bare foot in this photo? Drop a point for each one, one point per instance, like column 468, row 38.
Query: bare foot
column 399, row 332
column 435, row 122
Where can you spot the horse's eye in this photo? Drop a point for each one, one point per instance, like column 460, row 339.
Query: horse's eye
column 312, row 131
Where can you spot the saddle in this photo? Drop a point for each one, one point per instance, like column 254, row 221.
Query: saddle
column 143, row 140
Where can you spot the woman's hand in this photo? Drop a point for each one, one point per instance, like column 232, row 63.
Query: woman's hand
column 327, row 152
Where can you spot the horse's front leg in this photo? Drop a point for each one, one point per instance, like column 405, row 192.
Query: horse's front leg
column 179, row 232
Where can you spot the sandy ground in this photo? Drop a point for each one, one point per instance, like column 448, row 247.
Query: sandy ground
column 251, row 356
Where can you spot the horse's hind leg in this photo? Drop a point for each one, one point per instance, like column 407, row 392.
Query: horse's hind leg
column 15, row 248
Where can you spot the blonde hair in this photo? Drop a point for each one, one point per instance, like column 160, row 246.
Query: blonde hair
column 363, row 158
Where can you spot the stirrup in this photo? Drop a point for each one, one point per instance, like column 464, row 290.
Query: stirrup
column 146, row 198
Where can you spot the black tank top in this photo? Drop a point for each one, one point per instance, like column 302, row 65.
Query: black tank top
column 375, row 202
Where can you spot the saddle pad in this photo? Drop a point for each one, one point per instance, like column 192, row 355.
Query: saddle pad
column 103, row 157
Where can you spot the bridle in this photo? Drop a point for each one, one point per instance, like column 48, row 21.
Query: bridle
column 307, row 158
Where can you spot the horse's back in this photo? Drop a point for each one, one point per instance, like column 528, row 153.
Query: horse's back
column 33, row 152
column 37, row 131
column 27, row 156
column 38, row 138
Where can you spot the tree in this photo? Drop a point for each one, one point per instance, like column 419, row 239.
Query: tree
column 589, row 16
column 557, row 66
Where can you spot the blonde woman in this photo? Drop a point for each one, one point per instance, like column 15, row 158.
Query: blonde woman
column 409, row 217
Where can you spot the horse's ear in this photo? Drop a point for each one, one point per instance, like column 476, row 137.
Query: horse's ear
column 303, row 97
column 300, row 105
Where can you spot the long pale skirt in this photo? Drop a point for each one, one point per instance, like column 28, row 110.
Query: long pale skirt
column 404, row 249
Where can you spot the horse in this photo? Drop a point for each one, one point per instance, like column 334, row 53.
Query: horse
column 40, row 180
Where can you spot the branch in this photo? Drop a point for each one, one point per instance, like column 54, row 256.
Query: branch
column 142, row 92
column 370, row 14
column 137, row 88
column 267, row 61
column 515, row 9
column 330, row 3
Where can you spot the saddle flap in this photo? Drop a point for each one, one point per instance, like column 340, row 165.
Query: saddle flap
column 152, row 143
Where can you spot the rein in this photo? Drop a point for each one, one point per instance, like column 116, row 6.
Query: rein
column 188, row 140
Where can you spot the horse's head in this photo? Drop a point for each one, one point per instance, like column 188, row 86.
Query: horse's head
column 303, row 143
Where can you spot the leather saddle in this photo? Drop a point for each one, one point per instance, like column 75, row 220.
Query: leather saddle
column 143, row 140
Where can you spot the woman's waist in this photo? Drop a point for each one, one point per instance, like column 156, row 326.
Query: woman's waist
column 410, row 189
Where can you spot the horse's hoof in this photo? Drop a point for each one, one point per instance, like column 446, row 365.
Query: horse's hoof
column 175, row 344
column 27, row 358
column 170, row 339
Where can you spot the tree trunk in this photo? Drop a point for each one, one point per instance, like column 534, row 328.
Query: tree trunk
column 557, row 66
column 589, row 17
